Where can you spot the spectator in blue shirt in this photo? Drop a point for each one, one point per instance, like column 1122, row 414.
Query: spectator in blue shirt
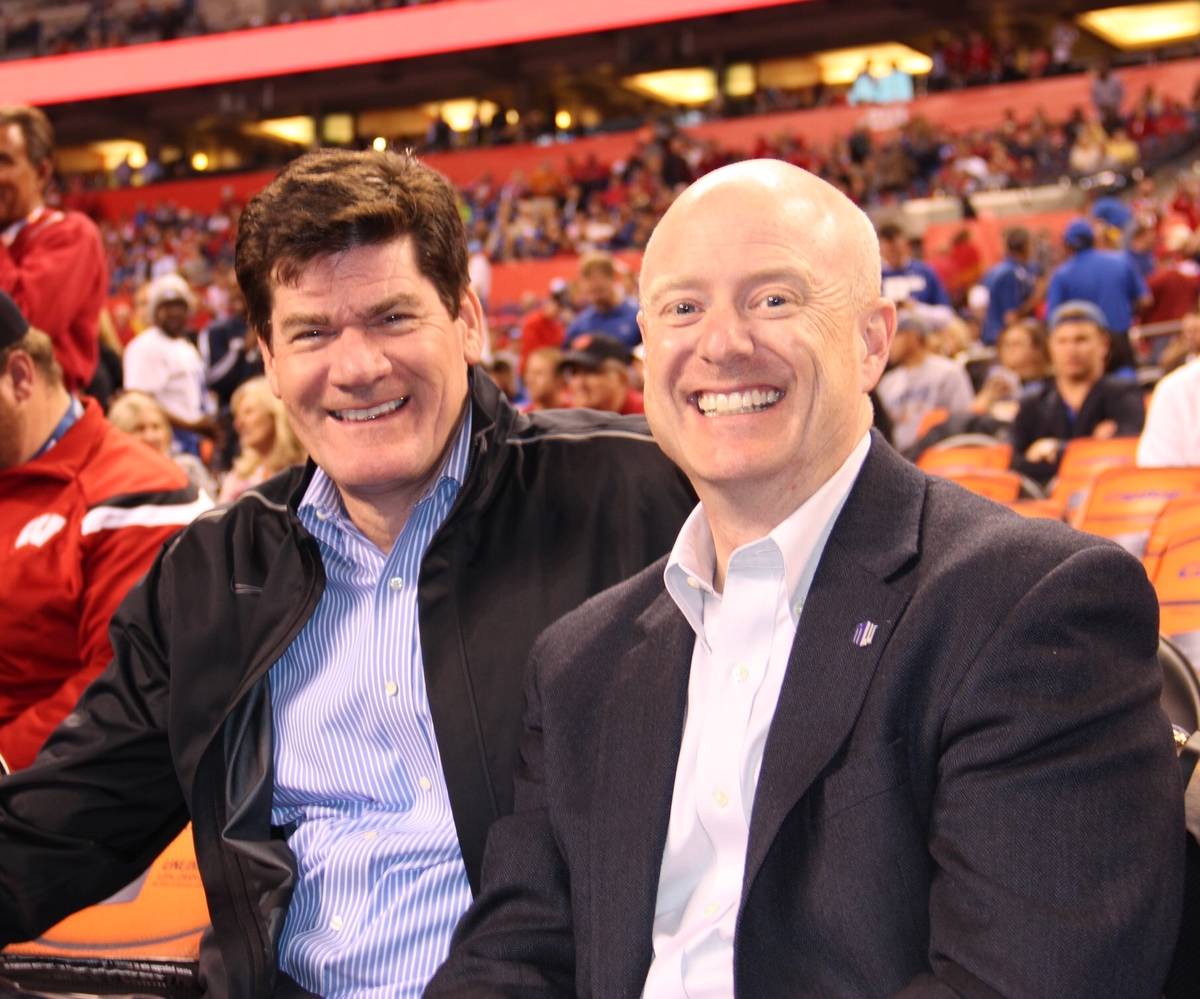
column 1012, row 286
column 1106, row 278
column 906, row 279
column 608, row 311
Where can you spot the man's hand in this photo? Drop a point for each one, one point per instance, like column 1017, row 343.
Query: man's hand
column 1105, row 429
column 1043, row 449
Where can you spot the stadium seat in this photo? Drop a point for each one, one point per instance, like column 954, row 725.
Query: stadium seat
column 1177, row 583
column 940, row 460
column 933, row 418
column 1180, row 698
column 1124, row 503
column 1180, row 516
column 1000, row 485
column 1083, row 459
column 145, row 940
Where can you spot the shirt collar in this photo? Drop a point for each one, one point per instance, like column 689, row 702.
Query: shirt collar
column 10, row 234
column 321, row 500
column 800, row 538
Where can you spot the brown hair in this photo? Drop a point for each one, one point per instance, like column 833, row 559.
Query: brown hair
column 40, row 349
column 332, row 200
column 35, row 129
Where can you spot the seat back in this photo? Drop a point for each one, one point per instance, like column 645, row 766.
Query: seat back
column 933, row 418
column 1177, row 583
column 1181, row 516
column 1083, row 459
column 1180, row 697
column 1002, row 486
column 1124, row 503
column 996, row 456
column 145, row 939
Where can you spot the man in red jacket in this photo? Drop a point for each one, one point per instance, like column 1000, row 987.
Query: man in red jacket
column 83, row 511
column 52, row 262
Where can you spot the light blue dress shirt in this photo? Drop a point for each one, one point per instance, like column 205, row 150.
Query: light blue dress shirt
column 358, row 778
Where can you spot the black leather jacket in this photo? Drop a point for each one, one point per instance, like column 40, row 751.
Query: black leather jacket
column 556, row 506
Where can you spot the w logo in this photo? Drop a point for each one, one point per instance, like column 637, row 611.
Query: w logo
column 40, row 530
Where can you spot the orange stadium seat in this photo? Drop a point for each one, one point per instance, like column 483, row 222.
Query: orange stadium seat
column 1181, row 516
column 144, row 940
column 1177, row 583
column 933, row 418
column 944, row 460
column 1000, row 485
column 1083, row 459
column 1124, row 503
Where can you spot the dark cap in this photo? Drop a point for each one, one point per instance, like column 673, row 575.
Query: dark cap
column 1078, row 310
column 590, row 350
column 13, row 325
column 1079, row 235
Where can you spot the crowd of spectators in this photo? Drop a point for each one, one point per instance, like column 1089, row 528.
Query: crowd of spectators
column 40, row 29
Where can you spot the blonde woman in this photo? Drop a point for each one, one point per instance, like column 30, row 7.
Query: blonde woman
column 265, row 438
column 140, row 416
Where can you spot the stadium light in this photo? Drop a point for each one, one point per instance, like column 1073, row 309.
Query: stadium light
column 199, row 162
column 1144, row 26
column 379, row 144
column 562, row 120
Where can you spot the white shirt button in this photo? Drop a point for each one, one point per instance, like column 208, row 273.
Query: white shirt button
column 693, row 582
column 370, row 834
column 391, row 688
column 711, row 909
column 741, row 672
column 336, row 923
column 396, row 584
column 425, row 783
column 720, row 798
column 322, row 515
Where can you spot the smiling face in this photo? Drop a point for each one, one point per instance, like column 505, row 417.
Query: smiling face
column 372, row 370
column 764, row 331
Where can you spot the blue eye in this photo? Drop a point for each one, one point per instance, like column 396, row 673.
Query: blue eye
column 683, row 308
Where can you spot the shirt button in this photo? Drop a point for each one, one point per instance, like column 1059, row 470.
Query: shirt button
column 322, row 515
column 710, row 910
column 798, row 607
column 720, row 798
column 741, row 672
column 370, row 834
column 336, row 923
column 425, row 783
column 396, row 584
column 391, row 688
column 693, row 582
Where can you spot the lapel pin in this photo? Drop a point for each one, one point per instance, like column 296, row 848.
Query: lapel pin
column 864, row 634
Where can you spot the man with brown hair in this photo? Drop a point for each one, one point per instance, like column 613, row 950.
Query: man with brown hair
column 52, row 262
column 608, row 310
column 326, row 676
column 84, row 510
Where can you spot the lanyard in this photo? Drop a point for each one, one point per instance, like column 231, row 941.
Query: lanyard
column 73, row 413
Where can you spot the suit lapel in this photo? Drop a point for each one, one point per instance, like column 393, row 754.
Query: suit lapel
column 855, row 600
column 641, row 731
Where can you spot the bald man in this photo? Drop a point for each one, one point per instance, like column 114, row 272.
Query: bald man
column 861, row 732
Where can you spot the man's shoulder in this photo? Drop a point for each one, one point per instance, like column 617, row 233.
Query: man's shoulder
column 1183, row 382
column 606, row 619
column 120, row 465
column 252, row 524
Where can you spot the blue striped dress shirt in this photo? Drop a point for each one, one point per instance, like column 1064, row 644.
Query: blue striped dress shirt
column 358, row 779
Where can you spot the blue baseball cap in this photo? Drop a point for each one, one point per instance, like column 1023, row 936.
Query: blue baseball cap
column 1078, row 308
column 1079, row 234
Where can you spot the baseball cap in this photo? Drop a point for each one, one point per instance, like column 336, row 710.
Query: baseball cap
column 1113, row 212
column 590, row 350
column 169, row 288
column 13, row 325
column 1078, row 308
column 1079, row 234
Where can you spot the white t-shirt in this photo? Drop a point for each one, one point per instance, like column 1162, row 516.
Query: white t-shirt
column 908, row 393
column 170, row 369
column 1172, row 432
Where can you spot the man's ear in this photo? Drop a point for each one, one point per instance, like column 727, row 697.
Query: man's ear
column 22, row 374
column 878, row 330
column 470, row 315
